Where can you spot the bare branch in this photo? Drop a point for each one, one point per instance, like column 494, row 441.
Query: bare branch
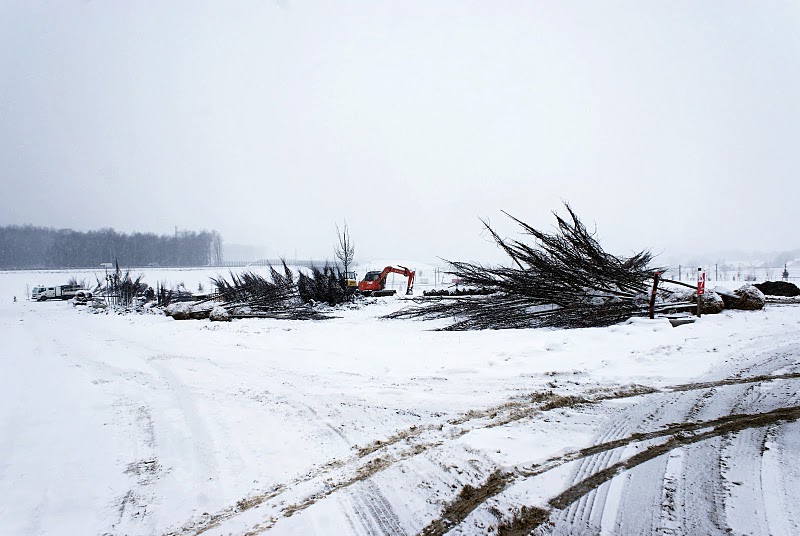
column 345, row 249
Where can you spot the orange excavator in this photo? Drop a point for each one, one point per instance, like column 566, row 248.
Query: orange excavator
column 374, row 283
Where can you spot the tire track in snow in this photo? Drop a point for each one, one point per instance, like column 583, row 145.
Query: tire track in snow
column 780, row 474
column 132, row 504
column 133, row 381
column 135, row 505
column 382, row 454
column 701, row 480
column 373, row 511
column 582, row 511
column 596, row 512
column 587, row 512
column 202, row 442
column 677, row 435
column 683, row 407
column 724, row 425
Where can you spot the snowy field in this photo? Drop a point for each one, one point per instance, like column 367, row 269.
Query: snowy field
column 139, row 424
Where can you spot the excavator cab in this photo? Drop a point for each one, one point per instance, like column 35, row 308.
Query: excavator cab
column 372, row 276
column 350, row 279
column 373, row 283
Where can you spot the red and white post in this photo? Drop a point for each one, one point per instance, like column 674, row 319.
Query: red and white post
column 701, row 288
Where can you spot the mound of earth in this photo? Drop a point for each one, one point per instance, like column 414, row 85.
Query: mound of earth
column 778, row 288
column 711, row 303
column 749, row 299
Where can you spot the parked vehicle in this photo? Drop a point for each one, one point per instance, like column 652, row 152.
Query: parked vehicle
column 58, row 292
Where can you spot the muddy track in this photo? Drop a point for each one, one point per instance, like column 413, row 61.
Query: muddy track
column 523, row 521
column 382, row 454
column 732, row 381
column 679, row 435
column 468, row 499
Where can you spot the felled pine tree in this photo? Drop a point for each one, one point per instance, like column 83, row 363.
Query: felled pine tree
column 281, row 295
column 252, row 294
column 324, row 285
column 560, row 279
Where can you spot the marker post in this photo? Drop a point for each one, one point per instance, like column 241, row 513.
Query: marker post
column 701, row 289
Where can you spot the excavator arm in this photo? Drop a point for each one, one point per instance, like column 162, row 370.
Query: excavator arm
column 404, row 272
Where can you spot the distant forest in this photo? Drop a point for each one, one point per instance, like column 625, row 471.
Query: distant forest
column 28, row 247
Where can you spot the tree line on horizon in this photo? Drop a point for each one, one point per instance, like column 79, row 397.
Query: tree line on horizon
column 30, row 247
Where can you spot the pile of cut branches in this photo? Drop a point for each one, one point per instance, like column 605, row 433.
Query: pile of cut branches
column 564, row 279
column 458, row 292
column 252, row 295
column 326, row 285
column 120, row 288
column 281, row 295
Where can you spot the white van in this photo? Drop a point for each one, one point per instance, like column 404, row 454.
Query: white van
column 58, row 292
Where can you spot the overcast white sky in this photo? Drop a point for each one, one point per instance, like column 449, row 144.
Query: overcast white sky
column 271, row 121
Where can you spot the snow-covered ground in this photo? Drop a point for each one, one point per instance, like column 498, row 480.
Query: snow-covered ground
column 140, row 424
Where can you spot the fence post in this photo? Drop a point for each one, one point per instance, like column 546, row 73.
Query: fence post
column 656, row 275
